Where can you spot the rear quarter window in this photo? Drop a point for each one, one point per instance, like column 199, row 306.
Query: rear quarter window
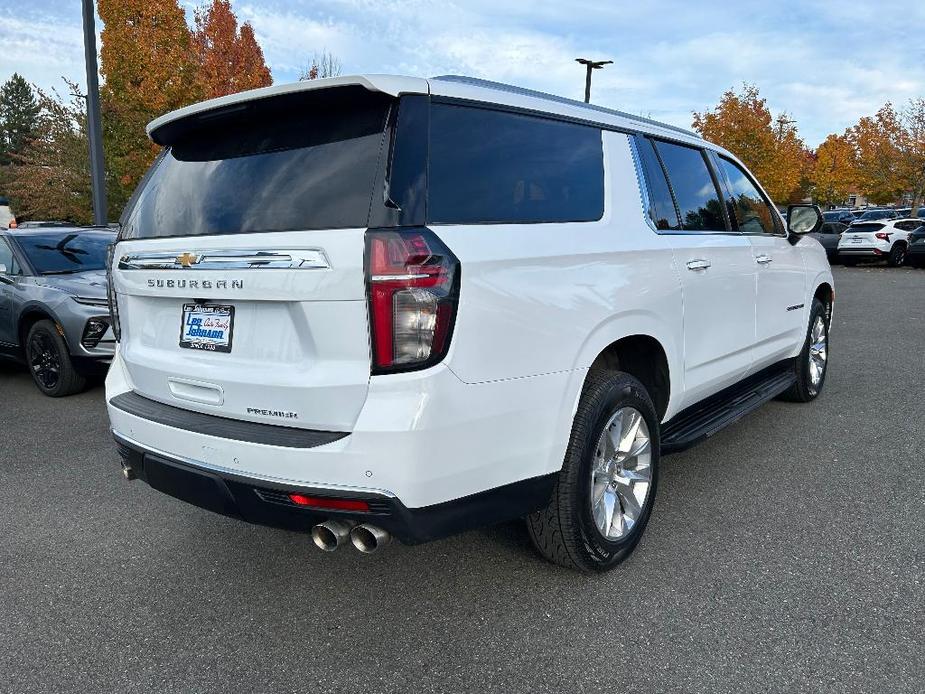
column 488, row 166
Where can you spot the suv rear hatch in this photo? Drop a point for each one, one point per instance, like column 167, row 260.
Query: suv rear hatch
column 239, row 273
column 862, row 234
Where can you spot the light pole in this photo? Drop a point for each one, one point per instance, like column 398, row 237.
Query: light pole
column 94, row 125
column 591, row 65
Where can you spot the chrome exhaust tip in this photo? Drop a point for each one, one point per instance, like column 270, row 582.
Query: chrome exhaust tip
column 128, row 473
column 331, row 534
column 368, row 538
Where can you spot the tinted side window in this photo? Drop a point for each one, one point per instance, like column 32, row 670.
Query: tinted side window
column 492, row 166
column 752, row 212
column 661, row 205
column 694, row 191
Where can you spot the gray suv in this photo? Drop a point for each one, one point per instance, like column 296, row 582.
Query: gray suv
column 54, row 312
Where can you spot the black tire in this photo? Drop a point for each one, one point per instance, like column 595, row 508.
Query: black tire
column 564, row 532
column 897, row 255
column 805, row 389
column 49, row 361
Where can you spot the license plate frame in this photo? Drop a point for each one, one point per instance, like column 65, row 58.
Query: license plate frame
column 207, row 343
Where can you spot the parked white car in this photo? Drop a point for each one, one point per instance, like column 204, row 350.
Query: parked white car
column 373, row 307
column 6, row 214
column 887, row 239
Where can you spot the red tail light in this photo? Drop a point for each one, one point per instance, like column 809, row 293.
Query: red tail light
column 412, row 281
column 326, row 502
column 882, row 235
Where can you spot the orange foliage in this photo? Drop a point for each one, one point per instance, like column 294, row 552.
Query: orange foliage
column 771, row 148
column 230, row 60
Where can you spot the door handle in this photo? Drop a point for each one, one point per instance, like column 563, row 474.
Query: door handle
column 698, row 264
column 763, row 259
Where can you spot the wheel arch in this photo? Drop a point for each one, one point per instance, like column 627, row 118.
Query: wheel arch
column 29, row 316
column 825, row 293
column 643, row 357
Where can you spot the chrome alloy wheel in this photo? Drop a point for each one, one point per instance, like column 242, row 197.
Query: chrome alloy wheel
column 818, row 352
column 621, row 473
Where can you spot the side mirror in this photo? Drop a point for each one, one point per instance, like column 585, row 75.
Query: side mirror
column 803, row 219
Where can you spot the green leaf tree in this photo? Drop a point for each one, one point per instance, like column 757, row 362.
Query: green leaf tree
column 51, row 179
column 19, row 111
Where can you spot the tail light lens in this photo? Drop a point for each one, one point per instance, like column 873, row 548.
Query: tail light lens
column 412, row 282
column 111, row 295
column 882, row 235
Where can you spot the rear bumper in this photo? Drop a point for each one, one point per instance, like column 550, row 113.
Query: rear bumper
column 868, row 252
column 426, row 437
column 267, row 502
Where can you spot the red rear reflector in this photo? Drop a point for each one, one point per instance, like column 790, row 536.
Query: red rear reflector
column 336, row 504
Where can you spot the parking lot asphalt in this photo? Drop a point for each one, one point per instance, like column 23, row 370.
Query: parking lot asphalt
column 784, row 554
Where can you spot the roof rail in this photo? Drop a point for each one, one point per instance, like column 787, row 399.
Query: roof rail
column 500, row 86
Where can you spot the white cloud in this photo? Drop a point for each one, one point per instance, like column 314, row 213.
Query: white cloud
column 825, row 63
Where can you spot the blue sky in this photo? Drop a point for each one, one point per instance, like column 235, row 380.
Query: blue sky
column 825, row 63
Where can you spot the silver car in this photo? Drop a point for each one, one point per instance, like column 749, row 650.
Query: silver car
column 54, row 314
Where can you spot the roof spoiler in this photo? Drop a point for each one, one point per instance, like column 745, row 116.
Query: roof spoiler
column 159, row 129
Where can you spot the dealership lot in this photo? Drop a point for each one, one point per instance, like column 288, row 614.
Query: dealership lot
column 787, row 552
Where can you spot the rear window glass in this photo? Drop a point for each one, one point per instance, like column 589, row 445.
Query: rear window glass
column 490, row 166
column 694, row 190
column 876, row 214
column 867, row 226
column 305, row 161
column 62, row 253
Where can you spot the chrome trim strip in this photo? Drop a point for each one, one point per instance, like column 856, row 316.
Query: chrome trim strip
column 402, row 278
column 643, row 184
column 247, row 474
column 233, row 259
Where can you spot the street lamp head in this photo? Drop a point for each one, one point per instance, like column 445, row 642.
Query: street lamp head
column 593, row 64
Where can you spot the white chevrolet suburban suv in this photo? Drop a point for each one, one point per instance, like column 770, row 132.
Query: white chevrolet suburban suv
column 374, row 307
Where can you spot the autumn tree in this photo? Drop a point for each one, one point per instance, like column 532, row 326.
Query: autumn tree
column 911, row 148
column 229, row 58
column 770, row 147
column 876, row 141
column 323, row 64
column 834, row 171
column 19, row 111
column 51, row 179
column 149, row 68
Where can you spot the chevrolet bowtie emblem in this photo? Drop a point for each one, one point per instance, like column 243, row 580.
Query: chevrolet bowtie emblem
column 187, row 259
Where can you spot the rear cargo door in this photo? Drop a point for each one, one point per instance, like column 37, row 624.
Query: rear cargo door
column 239, row 273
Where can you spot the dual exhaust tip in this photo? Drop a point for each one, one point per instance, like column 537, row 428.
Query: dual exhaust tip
column 331, row 534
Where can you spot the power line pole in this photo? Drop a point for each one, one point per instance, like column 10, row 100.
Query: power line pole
column 591, row 65
column 94, row 124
